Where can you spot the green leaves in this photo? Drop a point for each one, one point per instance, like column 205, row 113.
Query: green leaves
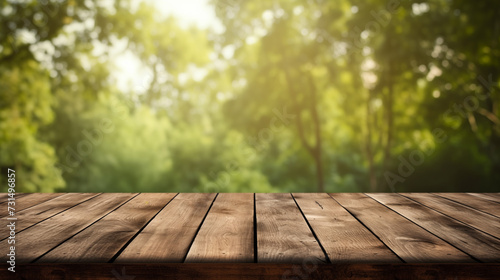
column 26, row 106
column 293, row 96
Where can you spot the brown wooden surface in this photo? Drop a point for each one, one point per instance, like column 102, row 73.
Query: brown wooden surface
column 26, row 201
column 39, row 239
column 409, row 241
column 42, row 211
column 342, row 236
column 482, row 246
column 102, row 241
column 487, row 196
column 227, row 234
column 475, row 202
column 282, row 232
column 5, row 196
column 306, row 230
column 168, row 237
column 480, row 220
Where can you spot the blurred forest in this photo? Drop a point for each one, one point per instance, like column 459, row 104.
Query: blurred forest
column 293, row 95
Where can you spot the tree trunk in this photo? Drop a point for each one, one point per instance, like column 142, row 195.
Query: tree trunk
column 319, row 171
column 369, row 151
column 390, row 124
column 314, row 151
column 317, row 135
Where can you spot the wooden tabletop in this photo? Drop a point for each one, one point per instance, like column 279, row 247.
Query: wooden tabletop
column 315, row 228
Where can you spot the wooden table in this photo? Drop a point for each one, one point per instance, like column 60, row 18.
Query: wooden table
column 287, row 236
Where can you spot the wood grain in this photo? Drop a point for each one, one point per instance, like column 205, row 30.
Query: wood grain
column 301, row 230
column 227, row 234
column 167, row 238
column 409, row 241
column 486, row 196
column 344, row 239
column 485, row 222
column 475, row 243
column 101, row 241
column 4, row 198
column 27, row 201
column 475, row 202
column 42, row 211
column 40, row 238
column 282, row 233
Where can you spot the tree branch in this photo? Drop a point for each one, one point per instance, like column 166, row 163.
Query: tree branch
column 300, row 125
column 489, row 115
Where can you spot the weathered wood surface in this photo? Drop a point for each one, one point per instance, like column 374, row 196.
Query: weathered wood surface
column 479, row 245
column 489, row 207
column 341, row 235
column 101, row 241
column 409, row 241
column 168, row 237
column 282, row 232
column 227, row 234
column 31, row 216
column 309, row 230
column 25, row 201
column 470, row 216
column 36, row 241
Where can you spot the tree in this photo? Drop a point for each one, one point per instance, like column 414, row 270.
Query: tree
column 291, row 69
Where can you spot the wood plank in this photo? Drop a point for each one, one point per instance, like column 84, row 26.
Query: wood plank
column 474, row 242
column 42, row 237
column 475, row 202
column 30, row 200
column 248, row 271
column 5, row 197
column 409, row 241
column 282, row 233
column 344, row 239
column 168, row 236
column 101, row 241
column 227, row 234
column 486, row 196
column 485, row 222
column 42, row 211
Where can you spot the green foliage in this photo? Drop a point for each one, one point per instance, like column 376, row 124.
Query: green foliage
column 111, row 160
column 26, row 105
